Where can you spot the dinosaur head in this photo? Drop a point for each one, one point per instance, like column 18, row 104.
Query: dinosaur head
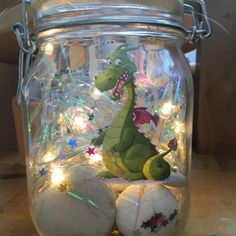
column 119, row 73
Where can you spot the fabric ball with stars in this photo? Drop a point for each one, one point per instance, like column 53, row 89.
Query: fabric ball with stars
column 147, row 210
column 77, row 206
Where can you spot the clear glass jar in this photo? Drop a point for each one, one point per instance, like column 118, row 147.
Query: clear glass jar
column 108, row 120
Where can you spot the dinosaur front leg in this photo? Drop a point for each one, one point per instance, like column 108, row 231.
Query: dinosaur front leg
column 98, row 141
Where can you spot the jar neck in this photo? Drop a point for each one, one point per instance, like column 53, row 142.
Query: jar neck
column 146, row 32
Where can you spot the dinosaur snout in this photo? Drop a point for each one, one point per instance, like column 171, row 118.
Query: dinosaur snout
column 104, row 82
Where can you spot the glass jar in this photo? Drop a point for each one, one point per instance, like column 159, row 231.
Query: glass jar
column 108, row 104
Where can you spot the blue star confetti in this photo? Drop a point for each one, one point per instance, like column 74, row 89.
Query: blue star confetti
column 173, row 215
column 72, row 143
column 43, row 172
column 62, row 157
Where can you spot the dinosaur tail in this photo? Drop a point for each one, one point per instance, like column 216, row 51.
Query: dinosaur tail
column 156, row 168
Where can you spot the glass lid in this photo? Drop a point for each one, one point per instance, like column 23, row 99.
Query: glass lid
column 63, row 12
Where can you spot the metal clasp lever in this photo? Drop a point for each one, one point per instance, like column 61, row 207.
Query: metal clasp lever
column 21, row 30
column 201, row 28
column 27, row 48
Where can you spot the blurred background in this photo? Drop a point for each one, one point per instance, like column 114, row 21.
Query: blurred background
column 213, row 208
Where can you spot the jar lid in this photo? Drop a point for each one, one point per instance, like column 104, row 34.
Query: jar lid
column 58, row 13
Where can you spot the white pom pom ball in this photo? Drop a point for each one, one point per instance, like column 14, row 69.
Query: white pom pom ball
column 147, row 210
column 87, row 209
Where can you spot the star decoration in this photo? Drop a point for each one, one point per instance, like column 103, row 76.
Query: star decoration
column 141, row 191
column 43, row 172
column 115, row 233
column 66, row 187
column 62, row 157
column 90, row 151
column 72, row 143
column 173, row 215
column 165, row 222
column 63, row 187
column 173, row 144
column 90, row 116
column 157, row 221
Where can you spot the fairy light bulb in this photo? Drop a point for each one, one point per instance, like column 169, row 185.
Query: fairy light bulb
column 79, row 123
column 74, row 119
column 57, row 176
column 49, row 156
column 166, row 110
column 95, row 93
column 60, row 118
column 95, row 158
column 49, row 49
column 178, row 127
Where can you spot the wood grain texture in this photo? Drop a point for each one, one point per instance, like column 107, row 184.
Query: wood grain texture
column 216, row 121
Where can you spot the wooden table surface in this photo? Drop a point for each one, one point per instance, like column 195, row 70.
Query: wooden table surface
column 213, row 204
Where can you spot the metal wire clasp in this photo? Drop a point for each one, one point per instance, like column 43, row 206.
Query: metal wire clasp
column 201, row 28
column 21, row 30
column 27, row 47
column 22, row 37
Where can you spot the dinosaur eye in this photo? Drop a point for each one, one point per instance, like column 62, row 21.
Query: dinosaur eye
column 117, row 62
column 109, row 62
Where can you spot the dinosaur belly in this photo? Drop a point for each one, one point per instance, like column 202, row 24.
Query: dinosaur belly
column 112, row 138
column 136, row 156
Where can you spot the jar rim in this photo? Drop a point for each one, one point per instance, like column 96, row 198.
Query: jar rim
column 115, row 30
column 92, row 12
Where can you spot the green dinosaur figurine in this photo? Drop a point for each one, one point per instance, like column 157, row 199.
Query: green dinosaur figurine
column 126, row 152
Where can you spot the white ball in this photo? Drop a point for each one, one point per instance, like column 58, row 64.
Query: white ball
column 58, row 213
column 147, row 210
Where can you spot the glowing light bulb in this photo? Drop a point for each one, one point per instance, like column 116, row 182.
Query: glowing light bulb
column 79, row 123
column 57, row 176
column 49, row 156
column 95, row 158
column 74, row 119
column 60, row 118
column 49, row 49
column 166, row 110
column 179, row 127
column 96, row 94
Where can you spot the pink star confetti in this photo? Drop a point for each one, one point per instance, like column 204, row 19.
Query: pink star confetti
column 90, row 151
